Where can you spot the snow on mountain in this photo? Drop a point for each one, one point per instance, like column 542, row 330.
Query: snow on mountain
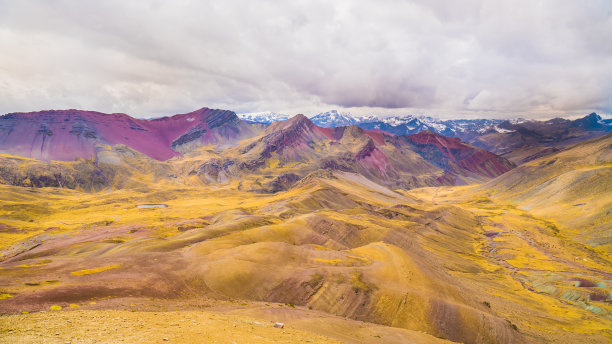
column 409, row 120
column 502, row 130
column 263, row 117
column 517, row 120
column 462, row 126
column 367, row 119
column 436, row 125
column 400, row 124
column 333, row 119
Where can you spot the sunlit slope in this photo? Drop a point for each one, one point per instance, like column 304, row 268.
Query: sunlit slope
column 573, row 188
column 335, row 242
column 226, row 322
column 330, row 243
column 533, row 252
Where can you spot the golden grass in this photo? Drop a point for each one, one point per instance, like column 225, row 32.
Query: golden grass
column 396, row 258
column 95, row 270
column 39, row 263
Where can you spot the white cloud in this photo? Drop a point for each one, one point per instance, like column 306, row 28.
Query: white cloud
column 148, row 58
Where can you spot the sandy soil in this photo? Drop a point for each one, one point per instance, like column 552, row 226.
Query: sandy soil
column 110, row 326
column 134, row 320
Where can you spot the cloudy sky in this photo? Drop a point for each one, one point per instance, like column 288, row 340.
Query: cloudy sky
column 443, row 58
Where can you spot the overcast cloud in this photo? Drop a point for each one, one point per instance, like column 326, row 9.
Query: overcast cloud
column 444, row 58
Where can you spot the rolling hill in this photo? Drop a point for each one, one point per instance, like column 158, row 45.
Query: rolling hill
column 572, row 187
column 344, row 234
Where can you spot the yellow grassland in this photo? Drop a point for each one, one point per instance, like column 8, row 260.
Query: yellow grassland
column 476, row 264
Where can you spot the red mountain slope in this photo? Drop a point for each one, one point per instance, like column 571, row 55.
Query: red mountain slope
column 383, row 157
column 450, row 153
column 70, row 134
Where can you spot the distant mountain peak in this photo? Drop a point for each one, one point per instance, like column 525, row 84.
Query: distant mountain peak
column 295, row 121
column 591, row 121
column 593, row 116
column 333, row 118
column 299, row 117
column 263, row 117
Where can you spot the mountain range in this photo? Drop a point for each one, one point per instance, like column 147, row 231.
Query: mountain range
column 519, row 140
column 498, row 232
column 297, row 145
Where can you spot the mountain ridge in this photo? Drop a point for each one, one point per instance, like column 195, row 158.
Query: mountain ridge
column 531, row 138
column 236, row 149
column 69, row 134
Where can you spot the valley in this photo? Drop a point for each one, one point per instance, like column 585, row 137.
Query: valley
column 419, row 238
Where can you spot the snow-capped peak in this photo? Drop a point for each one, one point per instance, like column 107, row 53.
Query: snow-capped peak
column 263, row 117
column 333, row 118
column 398, row 124
column 517, row 120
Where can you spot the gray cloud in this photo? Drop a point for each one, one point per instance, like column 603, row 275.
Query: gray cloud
column 146, row 58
